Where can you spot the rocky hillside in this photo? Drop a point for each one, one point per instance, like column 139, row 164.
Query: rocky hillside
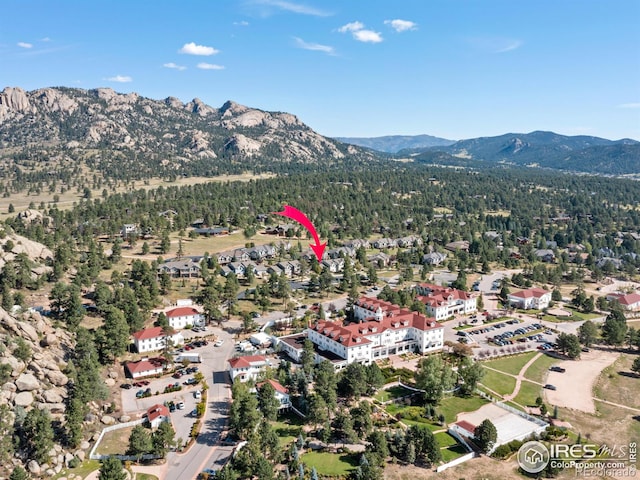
column 45, row 127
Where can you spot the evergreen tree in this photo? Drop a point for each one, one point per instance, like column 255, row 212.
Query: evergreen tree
column 112, row 469
column 139, row 442
column 162, row 439
column 267, row 401
column 37, row 434
column 19, row 473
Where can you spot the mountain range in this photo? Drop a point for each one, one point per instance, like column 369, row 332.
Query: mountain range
column 111, row 132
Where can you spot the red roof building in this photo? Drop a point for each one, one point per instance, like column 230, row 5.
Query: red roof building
column 153, row 339
column 531, row 298
column 248, row 367
column 145, row 368
column 445, row 302
column 181, row 317
column 158, row 414
column 629, row 301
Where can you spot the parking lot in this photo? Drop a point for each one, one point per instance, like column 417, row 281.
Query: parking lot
column 506, row 334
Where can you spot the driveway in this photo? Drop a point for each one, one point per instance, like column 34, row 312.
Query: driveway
column 206, row 449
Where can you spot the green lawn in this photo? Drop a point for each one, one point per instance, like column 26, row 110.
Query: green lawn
column 499, row 383
column 335, row 464
column 528, row 394
column 511, row 365
column 82, row 471
column 451, row 406
column 445, row 440
column 391, row 393
column 451, row 453
column 412, row 416
column 145, row 476
column 287, row 427
column 537, row 371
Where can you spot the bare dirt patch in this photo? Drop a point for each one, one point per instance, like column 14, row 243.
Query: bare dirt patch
column 575, row 386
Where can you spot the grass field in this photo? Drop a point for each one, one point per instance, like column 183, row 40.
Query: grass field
column 80, row 472
column 451, row 406
column 451, row 453
column 331, row 463
column 537, row 371
column 528, row 393
column 114, row 442
column 499, row 383
column 287, row 427
column 618, row 384
column 512, row 364
column 390, row 393
column 445, row 440
column 145, row 476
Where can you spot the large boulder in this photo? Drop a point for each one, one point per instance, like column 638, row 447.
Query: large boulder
column 28, row 331
column 17, row 366
column 56, row 377
column 33, row 467
column 108, row 420
column 23, row 399
column 52, row 396
column 27, row 382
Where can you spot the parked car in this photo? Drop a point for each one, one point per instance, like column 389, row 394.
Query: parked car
column 556, row 368
column 126, row 386
column 548, row 386
column 180, row 405
column 219, row 343
column 197, row 394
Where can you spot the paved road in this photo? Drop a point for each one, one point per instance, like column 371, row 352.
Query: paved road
column 214, row 366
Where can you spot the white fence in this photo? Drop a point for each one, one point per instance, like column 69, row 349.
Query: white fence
column 95, row 456
column 526, row 416
column 455, row 462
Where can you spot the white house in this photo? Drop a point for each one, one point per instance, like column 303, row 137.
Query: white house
column 281, row 393
column 385, row 329
column 152, row 339
column 248, row 368
column 630, row 301
column 444, row 302
column 145, row 368
column 158, row 414
column 532, row 298
column 180, row 317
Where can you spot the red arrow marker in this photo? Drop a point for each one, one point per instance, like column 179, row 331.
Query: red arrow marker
column 295, row 214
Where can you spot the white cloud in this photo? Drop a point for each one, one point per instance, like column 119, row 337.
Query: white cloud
column 46, row 39
column 209, row 66
column 193, row 49
column 512, row 45
column 401, row 25
column 629, row 105
column 242, row 23
column 174, row 66
column 316, row 47
column 368, row 36
column 293, row 7
column 359, row 33
column 351, row 27
column 120, row 79
column 25, row 45
column 495, row 44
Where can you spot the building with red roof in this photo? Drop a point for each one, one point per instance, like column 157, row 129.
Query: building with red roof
column 385, row 329
column 281, row 393
column 145, row 368
column 444, row 302
column 153, row 339
column 180, row 317
column 532, row 298
column 158, row 414
column 248, row 367
column 629, row 301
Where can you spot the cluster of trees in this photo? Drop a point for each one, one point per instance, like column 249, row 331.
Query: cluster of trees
column 143, row 442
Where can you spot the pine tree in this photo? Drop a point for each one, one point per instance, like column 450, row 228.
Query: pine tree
column 111, row 469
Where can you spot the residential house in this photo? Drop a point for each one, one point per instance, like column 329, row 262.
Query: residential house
column 185, row 268
column 385, row 329
column 341, row 252
column 434, row 258
column 261, row 252
column 158, row 414
column 289, row 268
column 292, row 345
column 444, row 302
column 532, row 298
column 241, row 255
column 180, row 317
column 240, row 269
column 211, row 231
column 281, row 393
column 616, row 263
column 129, row 229
column 357, row 243
column 224, row 258
column 459, row 245
column 248, row 367
column 280, row 230
column 629, row 301
column 334, row 264
column 145, row 367
column 545, row 255
column 379, row 259
column 410, row 241
column 154, row 339
column 383, row 243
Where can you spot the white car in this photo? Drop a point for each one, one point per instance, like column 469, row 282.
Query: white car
column 180, row 405
column 197, row 394
column 219, row 343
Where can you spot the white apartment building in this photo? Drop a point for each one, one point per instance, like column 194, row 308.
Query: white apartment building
column 444, row 302
column 180, row 317
column 532, row 298
column 153, row 339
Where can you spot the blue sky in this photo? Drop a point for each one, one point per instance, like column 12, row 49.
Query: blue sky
column 450, row 68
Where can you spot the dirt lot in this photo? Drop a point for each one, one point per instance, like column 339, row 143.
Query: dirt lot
column 575, row 386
